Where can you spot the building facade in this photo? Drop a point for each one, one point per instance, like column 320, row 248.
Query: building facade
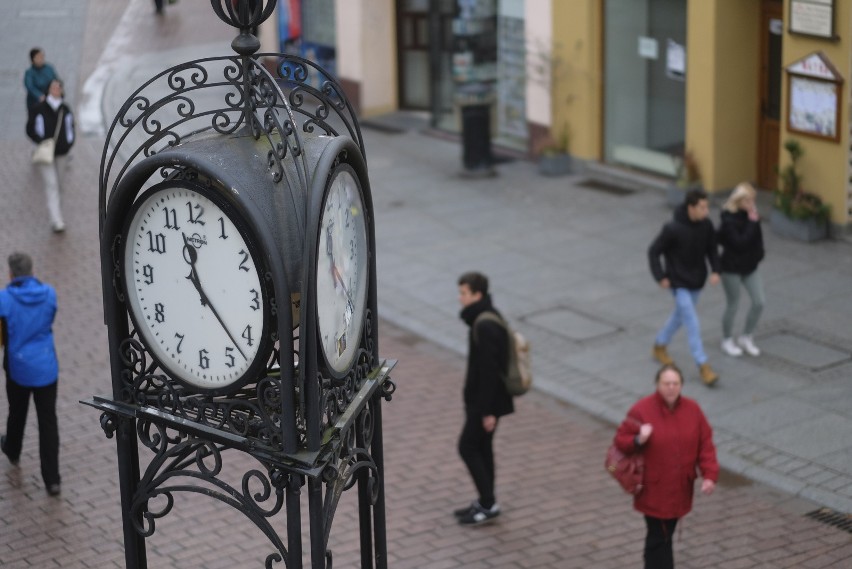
column 632, row 83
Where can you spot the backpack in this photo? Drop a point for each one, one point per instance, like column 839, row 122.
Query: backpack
column 518, row 378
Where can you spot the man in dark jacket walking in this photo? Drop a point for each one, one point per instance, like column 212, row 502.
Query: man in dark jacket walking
column 686, row 245
column 485, row 396
column 27, row 307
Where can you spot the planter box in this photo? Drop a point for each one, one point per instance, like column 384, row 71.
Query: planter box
column 800, row 229
column 554, row 164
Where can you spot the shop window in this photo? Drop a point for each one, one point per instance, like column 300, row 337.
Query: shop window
column 645, row 90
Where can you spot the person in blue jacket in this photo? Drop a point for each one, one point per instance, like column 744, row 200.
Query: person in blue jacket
column 27, row 309
column 37, row 78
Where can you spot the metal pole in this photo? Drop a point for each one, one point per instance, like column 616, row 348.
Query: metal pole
column 294, row 522
column 128, row 475
column 378, row 452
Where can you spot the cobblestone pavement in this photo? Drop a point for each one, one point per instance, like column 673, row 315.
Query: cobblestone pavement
column 561, row 510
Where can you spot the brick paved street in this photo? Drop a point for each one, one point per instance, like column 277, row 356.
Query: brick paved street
column 561, row 510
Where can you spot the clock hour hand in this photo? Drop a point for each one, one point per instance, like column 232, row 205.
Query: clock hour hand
column 190, row 255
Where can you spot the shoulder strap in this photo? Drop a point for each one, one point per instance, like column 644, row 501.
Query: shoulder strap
column 487, row 315
column 59, row 124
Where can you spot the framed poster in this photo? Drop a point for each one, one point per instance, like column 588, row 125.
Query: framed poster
column 812, row 18
column 814, row 90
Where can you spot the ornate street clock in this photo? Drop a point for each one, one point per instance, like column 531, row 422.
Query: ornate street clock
column 239, row 281
column 195, row 287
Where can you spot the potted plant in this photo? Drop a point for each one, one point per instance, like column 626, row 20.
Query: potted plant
column 688, row 177
column 796, row 213
column 554, row 157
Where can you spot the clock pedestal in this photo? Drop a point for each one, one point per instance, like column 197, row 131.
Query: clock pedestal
column 239, row 278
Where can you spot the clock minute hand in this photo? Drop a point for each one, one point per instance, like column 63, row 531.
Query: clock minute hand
column 190, row 255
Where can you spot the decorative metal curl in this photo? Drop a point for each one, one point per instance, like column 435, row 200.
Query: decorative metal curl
column 200, row 461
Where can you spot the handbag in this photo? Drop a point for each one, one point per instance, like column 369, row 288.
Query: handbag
column 627, row 469
column 46, row 149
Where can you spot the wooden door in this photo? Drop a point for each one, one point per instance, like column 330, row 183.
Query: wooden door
column 771, row 73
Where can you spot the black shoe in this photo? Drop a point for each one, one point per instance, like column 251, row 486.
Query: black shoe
column 477, row 515
column 462, row 512
column 14, row 461
column 54, row 489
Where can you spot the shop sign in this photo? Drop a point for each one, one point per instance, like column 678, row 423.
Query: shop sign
column 812, row 18
column 813, row 101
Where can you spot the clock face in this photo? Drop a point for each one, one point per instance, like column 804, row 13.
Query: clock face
column 342, row 265
column 193, row 288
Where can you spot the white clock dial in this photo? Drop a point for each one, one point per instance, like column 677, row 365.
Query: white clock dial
column 193, row 288
column 342, row 265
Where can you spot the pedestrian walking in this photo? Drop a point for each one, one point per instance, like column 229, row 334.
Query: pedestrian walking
column 673, row 434
column 37, row 78
column 485, row 396
column 741, row 239
column 53, row 118
column 27, row 308
column 686, row 245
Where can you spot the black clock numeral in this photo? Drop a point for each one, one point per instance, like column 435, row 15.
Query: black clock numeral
column 148, row 273
column 195, row 218
column 255, row 301
column 351, row 249
column 159, row 312
column 180, row 342
column 244, row 261
column 156, row 243
column 222, row 225
column 171, row 218
column 229, row 357
column 247, row 335
column 203, row 360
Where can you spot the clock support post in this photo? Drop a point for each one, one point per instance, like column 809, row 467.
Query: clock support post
column 243, row 336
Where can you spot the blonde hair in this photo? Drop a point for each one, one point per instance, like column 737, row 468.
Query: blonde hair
column 742, row 191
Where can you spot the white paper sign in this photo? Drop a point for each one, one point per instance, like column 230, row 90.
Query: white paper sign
column 675, row 60
column 648, row 48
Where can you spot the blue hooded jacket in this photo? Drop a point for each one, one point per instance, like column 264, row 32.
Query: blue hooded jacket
column 29, row 307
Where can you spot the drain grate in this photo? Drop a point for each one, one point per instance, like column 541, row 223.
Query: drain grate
column 832, row 518
column 605, row 187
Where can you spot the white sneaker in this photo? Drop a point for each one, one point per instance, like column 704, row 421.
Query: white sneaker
column 731, row 348
column 747, row 344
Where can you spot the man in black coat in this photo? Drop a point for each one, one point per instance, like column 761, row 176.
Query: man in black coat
column 686, row 245
column 485, row 396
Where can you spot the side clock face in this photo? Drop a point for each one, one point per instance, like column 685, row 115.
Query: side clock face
column 342, row 267
column 194, row 288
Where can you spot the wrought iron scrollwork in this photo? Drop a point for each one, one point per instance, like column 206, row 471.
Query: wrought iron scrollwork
column 186, row 464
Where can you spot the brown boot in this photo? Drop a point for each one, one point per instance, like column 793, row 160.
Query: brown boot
column 661, row 355
column 708, row 376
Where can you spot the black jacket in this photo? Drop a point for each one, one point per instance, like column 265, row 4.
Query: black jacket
column 686, row 246
column 42, row 125
column 487, row 360
column 742, row 243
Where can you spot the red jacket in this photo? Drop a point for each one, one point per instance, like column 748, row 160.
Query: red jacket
column 681, row 443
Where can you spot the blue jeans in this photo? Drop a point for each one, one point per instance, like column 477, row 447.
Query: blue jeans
column 684, row 315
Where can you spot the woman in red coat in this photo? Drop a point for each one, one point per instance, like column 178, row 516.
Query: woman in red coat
column 677, row 441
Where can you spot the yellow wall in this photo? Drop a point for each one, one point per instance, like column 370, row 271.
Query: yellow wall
column 825, row 163
column 722, row 90
column 577, row 87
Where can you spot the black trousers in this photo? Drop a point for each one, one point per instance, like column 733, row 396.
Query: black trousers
column 658, row 543
column 48, row 428
column 476, row 449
